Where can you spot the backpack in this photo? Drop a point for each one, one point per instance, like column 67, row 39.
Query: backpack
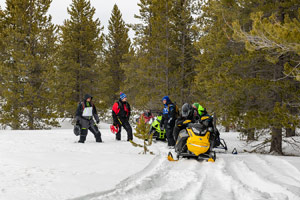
column 176, row 109
column 83, row 106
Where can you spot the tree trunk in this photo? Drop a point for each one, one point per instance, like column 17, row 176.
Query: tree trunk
column 290, row 132
column 250, row 134
column 227, row 129
column 167, row 50
column 276, row 142
column 215, row 119
column 182, row 99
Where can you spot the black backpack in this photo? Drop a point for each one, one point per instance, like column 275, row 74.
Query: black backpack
column 176, row 109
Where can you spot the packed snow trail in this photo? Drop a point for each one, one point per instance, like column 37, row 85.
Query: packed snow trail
column 242, row 176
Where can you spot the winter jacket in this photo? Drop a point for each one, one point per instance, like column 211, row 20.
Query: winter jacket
column 121, row 112
column 206, row 120
column 169, row 115
column 147, row 117
column 81, row 106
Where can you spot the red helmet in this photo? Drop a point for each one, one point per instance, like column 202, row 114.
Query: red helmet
column 114, row 129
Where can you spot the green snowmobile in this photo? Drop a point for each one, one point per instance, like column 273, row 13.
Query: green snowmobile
column 156, row 130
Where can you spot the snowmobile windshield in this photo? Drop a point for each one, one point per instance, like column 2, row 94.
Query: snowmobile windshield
column 198, row 129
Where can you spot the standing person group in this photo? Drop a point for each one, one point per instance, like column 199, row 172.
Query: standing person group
column 86, row 111
column 121, row 111
column 173, row 123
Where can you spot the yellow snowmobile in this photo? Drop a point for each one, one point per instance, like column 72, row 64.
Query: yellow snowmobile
column 196, row 141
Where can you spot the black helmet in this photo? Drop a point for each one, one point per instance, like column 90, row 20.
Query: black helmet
column 186, row 110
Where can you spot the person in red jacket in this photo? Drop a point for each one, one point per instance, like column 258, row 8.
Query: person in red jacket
column 147, row 115
column 121, row 114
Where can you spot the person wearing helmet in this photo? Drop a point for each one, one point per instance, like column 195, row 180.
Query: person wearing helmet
column 85, row 112
column 147, row 115
column 202, row 115
column 187, row 113
column 207, row 121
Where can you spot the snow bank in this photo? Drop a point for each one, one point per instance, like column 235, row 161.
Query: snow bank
column 50, row 164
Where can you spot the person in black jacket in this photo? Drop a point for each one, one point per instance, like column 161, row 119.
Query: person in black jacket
column 207, row 121
column 168, row 119
column 85, row 112
column 121, row 113
column 187, row 113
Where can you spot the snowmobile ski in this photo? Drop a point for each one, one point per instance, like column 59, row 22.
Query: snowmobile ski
column 170, row 157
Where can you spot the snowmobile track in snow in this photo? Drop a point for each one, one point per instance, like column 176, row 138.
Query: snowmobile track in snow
column 243, row 176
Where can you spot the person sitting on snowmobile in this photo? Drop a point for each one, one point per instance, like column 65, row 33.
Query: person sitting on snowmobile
column 147, row 115
column 121, row 113
column 85, row 112
column 187, row 113
column 202, row 115
column 159, row 133
column 207, row 121
column 168, row 120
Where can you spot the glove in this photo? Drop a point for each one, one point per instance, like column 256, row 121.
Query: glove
column 116, row 122
column 97, row 121
column 77, row 122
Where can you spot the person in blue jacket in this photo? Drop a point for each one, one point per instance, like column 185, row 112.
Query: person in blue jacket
column 168, row 119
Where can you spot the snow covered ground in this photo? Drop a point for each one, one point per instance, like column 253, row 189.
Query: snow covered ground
column 42, row 165
column 48, row 165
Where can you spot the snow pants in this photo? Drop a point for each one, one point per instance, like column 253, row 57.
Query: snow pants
column 89, row 125
column 170, row 137
column 128, row 129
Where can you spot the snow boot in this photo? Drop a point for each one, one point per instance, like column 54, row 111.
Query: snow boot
column 82, row 139
column 99, row 140
column 98, row 137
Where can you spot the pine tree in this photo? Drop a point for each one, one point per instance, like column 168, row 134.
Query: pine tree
column 184, row 49
column 80, row 55
column 240, row 84
column 27, row 65
column 163, row 53
column 2, row 47
column 118, row 44
column 147, row 72
column 142, row 132
column 278, row 38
